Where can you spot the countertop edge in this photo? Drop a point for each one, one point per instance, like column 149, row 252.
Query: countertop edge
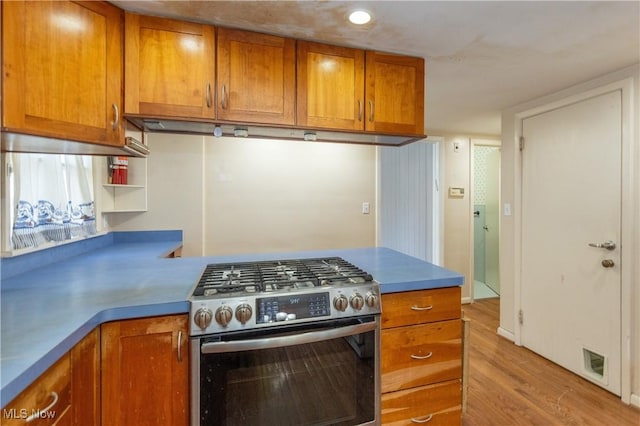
column 33, row 372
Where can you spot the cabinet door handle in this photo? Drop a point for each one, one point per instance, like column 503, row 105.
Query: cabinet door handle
column 370, row 110
column 418, row 308
column 116, row 117
column 223, row 102
column 425, row 420
column 208, row 95
column 180, row 346
column 359, row 110
column 427, row 356
column 39, row 413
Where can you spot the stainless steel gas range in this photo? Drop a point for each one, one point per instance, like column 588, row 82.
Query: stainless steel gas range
column 288, row 342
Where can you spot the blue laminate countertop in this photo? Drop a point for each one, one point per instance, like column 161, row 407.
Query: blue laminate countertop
column 47, row 310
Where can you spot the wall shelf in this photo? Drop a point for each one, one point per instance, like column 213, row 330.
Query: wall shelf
column 130, row 198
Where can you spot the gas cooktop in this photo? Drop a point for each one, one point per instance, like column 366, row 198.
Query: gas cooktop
column 221, row 280
column 235, row 296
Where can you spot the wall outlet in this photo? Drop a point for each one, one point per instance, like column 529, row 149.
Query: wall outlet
column 365, row 208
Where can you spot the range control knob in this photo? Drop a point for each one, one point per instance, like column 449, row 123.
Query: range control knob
column 340, row 303
column 224, row 315
column 357, row 301
column 202, row 317
column 371, row 299
column 243, row 312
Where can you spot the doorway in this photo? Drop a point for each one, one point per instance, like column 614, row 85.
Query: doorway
column 486, row 217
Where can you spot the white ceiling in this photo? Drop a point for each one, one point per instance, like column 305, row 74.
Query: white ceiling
column 481, row 56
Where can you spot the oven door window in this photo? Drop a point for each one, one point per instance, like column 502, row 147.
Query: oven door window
column 330, row 382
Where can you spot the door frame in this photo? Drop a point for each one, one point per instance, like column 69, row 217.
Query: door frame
column 473, row 142
column 627, row 240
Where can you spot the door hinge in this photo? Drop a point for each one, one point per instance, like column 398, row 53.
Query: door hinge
column 520, row 317
column 521, row 143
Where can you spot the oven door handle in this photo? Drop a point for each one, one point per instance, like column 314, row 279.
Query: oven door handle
column 292, row 340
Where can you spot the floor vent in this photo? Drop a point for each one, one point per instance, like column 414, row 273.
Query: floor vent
column 595, row 364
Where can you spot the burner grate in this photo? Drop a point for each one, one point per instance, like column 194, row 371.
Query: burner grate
column 269, row 276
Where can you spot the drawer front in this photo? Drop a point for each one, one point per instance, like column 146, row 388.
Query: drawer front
column 421, row 306
column 439, row 403
column 40, row 395
column 420, row 355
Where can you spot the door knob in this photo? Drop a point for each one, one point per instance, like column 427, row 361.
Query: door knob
column 608, row 263
column 609, row 245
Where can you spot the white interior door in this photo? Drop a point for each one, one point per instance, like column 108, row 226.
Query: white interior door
column 571, row 197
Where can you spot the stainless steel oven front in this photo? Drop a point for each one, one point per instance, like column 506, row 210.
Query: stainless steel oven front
column 316, row 373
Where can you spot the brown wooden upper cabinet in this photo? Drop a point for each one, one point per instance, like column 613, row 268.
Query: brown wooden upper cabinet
column 395, row 94
column 335, row 92
column 62, row 70
column 256, row 77
column 170, row 67
column 330, row 87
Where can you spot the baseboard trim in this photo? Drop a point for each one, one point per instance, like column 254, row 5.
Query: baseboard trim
column 466, row 300
column 506, row 334
column 635, row 400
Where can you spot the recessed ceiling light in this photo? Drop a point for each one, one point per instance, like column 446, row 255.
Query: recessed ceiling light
column 359, row 17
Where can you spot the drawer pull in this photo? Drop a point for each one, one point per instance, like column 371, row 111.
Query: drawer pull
column 418, row 308
column 425, row 420
column 39, row 413
column 427, row 356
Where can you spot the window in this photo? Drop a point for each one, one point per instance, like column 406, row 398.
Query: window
column 50, row 197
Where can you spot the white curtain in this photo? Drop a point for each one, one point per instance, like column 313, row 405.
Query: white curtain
column 52, row 198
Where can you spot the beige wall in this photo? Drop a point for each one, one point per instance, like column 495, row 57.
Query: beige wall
column 457, row 210
column 233, row 195
column 274, row 196
column 510, row 225
column 174, row 191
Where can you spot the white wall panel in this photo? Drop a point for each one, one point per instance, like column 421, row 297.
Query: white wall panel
column 407, row 206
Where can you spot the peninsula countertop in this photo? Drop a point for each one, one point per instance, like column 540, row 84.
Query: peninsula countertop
column 47, row 310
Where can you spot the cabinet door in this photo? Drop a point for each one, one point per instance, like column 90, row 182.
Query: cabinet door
column 145, row 372
column 395, row 94
column 170, row 67
column 256, row 77
column 62, row 70
column 85, row 380
column 330, row 87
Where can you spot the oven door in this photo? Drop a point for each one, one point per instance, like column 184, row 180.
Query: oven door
column 324, row 373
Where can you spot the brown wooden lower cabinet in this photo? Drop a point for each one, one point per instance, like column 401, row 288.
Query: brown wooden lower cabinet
column 421, row 357
column 145, row 372
column 66, row 394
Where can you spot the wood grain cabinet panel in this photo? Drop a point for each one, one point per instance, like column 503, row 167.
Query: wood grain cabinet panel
column 421, row 354
column 395, row 94
column 421, row 357
column 85, row 380
column 437, row 404
column 420, row 307
column 330, row 87
column 256, row 77
column 62, row 70
column 145, row 372
column 170, row 67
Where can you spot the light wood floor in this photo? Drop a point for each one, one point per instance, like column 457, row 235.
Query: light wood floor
column 510, row 385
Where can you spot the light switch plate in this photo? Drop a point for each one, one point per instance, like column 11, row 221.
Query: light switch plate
column 456, row 192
